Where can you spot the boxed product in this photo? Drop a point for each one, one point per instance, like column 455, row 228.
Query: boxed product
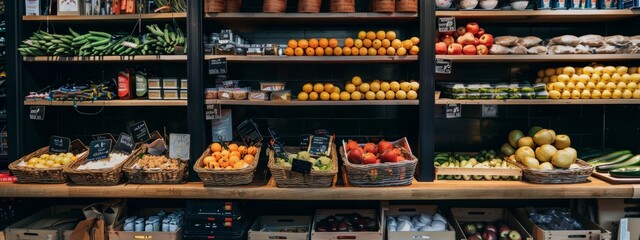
column 417, row 222
column 559, row 223
column 170, row 94
column 150, row 224
column 184, row 94
column 479, row 222
column 258, row 96
column 281, row 227
column 284, row 95
column 271, row 86
column 211, row 93
column 170, row 83
column 57, row 222
column 331, row 224
column 155, row 94
column 154, row 83
column 184, row 84
column 629, row 229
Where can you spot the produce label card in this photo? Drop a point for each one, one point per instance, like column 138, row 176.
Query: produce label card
column 124, row 144
column 446, row 24
column 489, row 111
column 214, row 111
column 103, row 136
column 454, row 110
column 278, row 149
column 99, row 149
column 139, row 131
column 301, row 166
column 304, row 142
column 249, row 133
column 36, row 113
column 179, row 145
column 443, row 66
column 218, row 66
column 59, row 144
column 274, row 135
column 319, row 145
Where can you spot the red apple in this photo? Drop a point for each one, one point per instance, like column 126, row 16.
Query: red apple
column 370, row 148
column 455, row 49
column 397, row 151
column 482, row 50
column 400, row 158
column 486, row 39
column 351, row 145
column 473, row 28
column 480, row 32
column 441, row 48
column 383, row 146
column 369, row 158
column 389, row 156
column 469, row 50
column 476, row 42
column 356, row 155
column 448, row 40
column 461, row 31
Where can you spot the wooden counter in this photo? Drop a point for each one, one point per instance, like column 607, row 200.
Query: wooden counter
column 418, row 191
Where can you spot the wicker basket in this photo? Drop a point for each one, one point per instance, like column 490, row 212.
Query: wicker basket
column 383, row 174
column 274, row 6
column 342, row 6
column 407, row 6
column 214, row 6
column 97, row 177
column 309, row 6
column 223, row 177
column 48, row 175
column 384, row 6
column 285, row 178
column 570, row 175
column 156, row 176
column 233, row 6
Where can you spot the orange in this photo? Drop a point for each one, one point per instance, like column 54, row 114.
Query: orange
column 335, row 96
column 336, row 89
column 225, row 153
column 362, row 35
column 310, row 51
column 224, row 164
column 319, row 51
column 373, row 52
column 337, row 51
column 217, row 155
column 415, row 40
column 235, row 154
column 391, row 51
column 308, row 87
column 292, row 43
column 348, row 42
column 234, row 159
column 333, row 42
column 238, row 165
column 376, row 44
column 298, row 52
column 382, row 51
column 318, row 87
column 396, row 44
column 407, row 44
column 313, row 43
column 363, row 51
column 303, row 96
column 345, row 96
column 367, row 43
column 414, row 50
column 346, row 51
column 381, row 35
column 233, row 147
column 371, row 35
column 328, row 87
column 386, row 43
column 391, row 35
column 288, row 51
column 242, row 150
column 313, row 96
column 252, row 150
column 355, row 51
column 356, row 95
column 328, row 51
column 402, row 51
column 216, row 165
column 323, row 43
column 248, row 159
column 358, row 43
column 216, row 147
column 303, row 43
column 325, row 96
column 208, row 160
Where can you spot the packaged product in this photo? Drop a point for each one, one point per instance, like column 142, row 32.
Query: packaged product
column 582, row 49
column 592, row 40
column 240, row 93
column 211, row 93
column 518, row 50
column 530, row 41
column 507, row 41
column 284, row 95
column 618, row 40
column 606, row 49
column 258, row 95
column 561, row 49
column 537, row 50
column 497, row 49
column 542, row 95
column 271, row 86
column 568, row 40
column 225, row 93
column 635, row 41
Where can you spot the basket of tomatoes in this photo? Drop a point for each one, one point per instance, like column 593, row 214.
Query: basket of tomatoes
column 227, row 164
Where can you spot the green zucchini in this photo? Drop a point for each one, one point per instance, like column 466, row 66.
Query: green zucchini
column 609, row 156
column 635, row 160
column 100, row 34
column 627, row 172
column 613, row 161
column 587, row 155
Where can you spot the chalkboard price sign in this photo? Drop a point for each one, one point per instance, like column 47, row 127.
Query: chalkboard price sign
column 59, row 144
column 103, row 136
column 99, row 149
column 218, row 66
column 139, row 131
column 319, row 145
column 124, row 144
column 304, row 142
column 37, row 112
column 301, row 166
column 249, row 133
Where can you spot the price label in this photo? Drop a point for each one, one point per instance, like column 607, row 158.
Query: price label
column 179, row 145
column 214, row 111
column 36, row 113
column 99, row 149
column 279, row 150
column 103, row 136
column 489, row 111
column 249, row 133
column 59, row 144
column 139, row 131
column 124, row 144
column 443, row 66
column 301, row 166
column 454, row 110
column 319, row 145
column 446, row 24
column 274, row 134
column 218, row 66
column 304, row 142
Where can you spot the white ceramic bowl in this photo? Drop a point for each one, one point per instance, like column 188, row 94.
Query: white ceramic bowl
column 443, row 3
column 519, row 5
column 468, row 4
column 488, row 4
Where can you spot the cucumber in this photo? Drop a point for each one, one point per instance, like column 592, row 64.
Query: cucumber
column 609, row 156
column 100, row 43
column 100, row 34
column 635, row 160
column 627, row 172
column 613, row 161
column 74, row 33
column 594, row 154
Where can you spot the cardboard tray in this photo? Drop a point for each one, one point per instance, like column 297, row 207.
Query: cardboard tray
column 119, row 234
column 460, row 215
column 322, row 213
column 255, row 232
column 630, row 226
column 514, row 171
column 596, row 232
column 412, row 210
column 614, row 180
column 25, row 229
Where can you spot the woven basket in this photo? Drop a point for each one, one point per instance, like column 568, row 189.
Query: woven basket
column 285, row 178
column 384, row 6
column 224, row 177
column 156, row 176
column 97, row 177
column 342, row 6
column 407, row 6
column 383, row 174
column 309, row 6
column 274, row 6
column 233, row 6
column 570, row 175
column 48, row 175
column 214, row 6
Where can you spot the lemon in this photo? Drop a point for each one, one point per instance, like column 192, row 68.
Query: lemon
column 405, row 86
column 412, row 95
column 345, row 96
column 595, row 94
column 610, row 70
column 605, row 78
column 601, row 86
column 584, row 78
column 328, row 87
column 303, row 96
column 380, row 95
column 385, row 86
column 394, row 86
column 599, row 70
column 350, row 88
column 570, row 86
column 611, row 86
column 370, row 96
column 318, row 88
column 616, row 78
column 401, row 95
column 627, row 94
column 364, row 87
column 575, row 94
column 324, row 96
column 569, row 71
column 390, row 95
column 636, row 94
column 554, row 94
column 563, row 78
column 606, row 94
column 595, row 78
column 362, row 35
column 575, row 78
column 626, row 78
column 590, row 86
column 632, row 86
column 356, row 96
column 559, row 86
column 374, row 86
column 585, row 94
column 587, row 70
column 635, row 77
column 622, row 70
column 617, row 94
column 565, row 94
column 580, row 86
column 621, row 86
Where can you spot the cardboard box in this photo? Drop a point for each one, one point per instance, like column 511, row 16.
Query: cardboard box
column 413, row 210
column 119, row 234
column 372, row 213
column 594, row 232
column 629, row 229
column 275, row 223
column 464, row 215
column 57, row 222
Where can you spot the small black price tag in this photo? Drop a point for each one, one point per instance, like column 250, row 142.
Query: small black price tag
column 99, row 149
column 249, row 133
column 279, row 150
column 179, row 145
column 454, row 110
column 139, row 131
column 319, row 145
column 446, row 24
column 301, row 166
column 443, row 66
column 37, row 112
column 304, row 142
column 489, row 111
column 218, row 66
column 59, row 144
column 125, row 144
column 103, row 136
column 214, row 111
column 274, row 135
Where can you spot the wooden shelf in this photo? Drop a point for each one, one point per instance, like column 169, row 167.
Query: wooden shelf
column 257, row 20
column 315, row 59
column 541, row 58
column 560, row 16
column 110, row 103
column 540, row 102
column 145, row 16
column 418, row 191
column 170, row 58
column 314, row 103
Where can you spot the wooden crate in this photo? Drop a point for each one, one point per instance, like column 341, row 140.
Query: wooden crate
column 117, row 233
column 256, row 233
column 412, row 210
column 24, row 229
column 514, row 171
column 596, row 232
column 460, row 215
column 322, row 213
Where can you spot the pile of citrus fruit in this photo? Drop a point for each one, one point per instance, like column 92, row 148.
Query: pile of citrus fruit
column 369, row 43
column 356, row 89
column 229, row 156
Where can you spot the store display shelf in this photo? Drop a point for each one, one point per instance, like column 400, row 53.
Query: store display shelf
column 315, row 59
column 105, row 58
column 541, row 58
column 144, row 16
column 314, row 103
column 251, row 19
column 595, row 188
column 110, row 103
column 543, row 15
column 540, row 102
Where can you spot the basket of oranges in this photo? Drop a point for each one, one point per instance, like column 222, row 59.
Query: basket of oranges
column 227, row 164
